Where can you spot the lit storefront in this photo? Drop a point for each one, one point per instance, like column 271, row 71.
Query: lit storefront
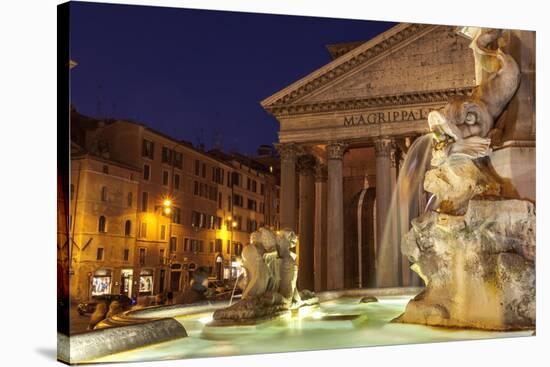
column 126, row 278
column 146, row 282
column 101, row 282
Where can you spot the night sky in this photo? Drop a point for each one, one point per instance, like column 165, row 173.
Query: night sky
column 193, row 74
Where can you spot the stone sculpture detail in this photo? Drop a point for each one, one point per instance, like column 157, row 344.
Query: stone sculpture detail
column 476, row 251
column 269, row 282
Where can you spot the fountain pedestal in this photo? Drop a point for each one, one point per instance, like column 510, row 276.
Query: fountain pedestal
column 479, row 268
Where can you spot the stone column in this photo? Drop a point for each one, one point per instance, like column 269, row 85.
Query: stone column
column 386, row 262
column 335, row 216
column 320, row 229
column 287, row 215
column 306, row 168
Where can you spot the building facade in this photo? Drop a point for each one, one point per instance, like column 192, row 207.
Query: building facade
column 148, row 210
column 346, row 128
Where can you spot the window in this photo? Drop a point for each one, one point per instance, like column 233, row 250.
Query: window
column 217, row 175
column 102, row 224
column 148, row 149
column 163, row 232
column 251, row 204
column 218, row 245
column 220, row 201
column 228, row 203
column 176, row 217
column 262, row 189
column 106, row 169
column 204, row 170
column 254, row 186
column 72, row 192
column 161, row 256
column 177, row 181
column 99, row 255
column 236, row 180
column 237, row 200
column 141, row 256
column 129, row 199
column 165, row 178
column 127, row 228
column 178, row 160
column 197, row 167
column 211, row 247
column 104, row 193
column 196, row 188
column 143, row 232
column 146, row 172
column 237, row 248
column 126, row 254
column 166, row 155
column 186, row 244
column 248, row 184
column 228, row 246
column 173, row 244
column 144, row 201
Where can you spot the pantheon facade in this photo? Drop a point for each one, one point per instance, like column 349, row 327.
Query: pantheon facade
column 345, row 130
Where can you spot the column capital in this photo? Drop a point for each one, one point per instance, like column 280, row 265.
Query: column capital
column 306, row 164
column 336, row 150
column 287, row 151
column 321, row 173
column 383, row 146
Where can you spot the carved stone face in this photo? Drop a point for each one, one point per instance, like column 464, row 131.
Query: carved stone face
column 469, row 116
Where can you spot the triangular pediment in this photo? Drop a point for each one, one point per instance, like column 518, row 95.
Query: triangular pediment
column 408, row 59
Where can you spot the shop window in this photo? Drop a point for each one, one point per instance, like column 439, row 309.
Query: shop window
column 102, row 223
column 101, row 282
column 99, row 254
column 146, row 282
column 128, row 228
column 104, row 193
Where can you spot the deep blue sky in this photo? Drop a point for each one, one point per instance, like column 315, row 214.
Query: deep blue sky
column 196, row 74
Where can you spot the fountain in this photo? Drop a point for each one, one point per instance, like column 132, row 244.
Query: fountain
column 476, row 250
column 269, row 286
column 474, row 247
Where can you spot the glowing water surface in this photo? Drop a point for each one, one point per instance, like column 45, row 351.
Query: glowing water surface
column 326, row 327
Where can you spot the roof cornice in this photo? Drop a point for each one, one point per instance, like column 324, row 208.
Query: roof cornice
column 433, row 96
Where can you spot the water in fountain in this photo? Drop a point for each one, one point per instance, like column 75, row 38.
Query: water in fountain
column 406, row 191
column 234, row 288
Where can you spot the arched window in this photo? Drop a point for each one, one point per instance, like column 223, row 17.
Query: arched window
column 104, row 193
column 102, row 223
column 128, row 228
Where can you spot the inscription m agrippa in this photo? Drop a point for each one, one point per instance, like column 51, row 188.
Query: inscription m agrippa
column 374, row 118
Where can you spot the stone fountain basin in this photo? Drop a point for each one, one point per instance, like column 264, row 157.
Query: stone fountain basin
column 340, row 321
